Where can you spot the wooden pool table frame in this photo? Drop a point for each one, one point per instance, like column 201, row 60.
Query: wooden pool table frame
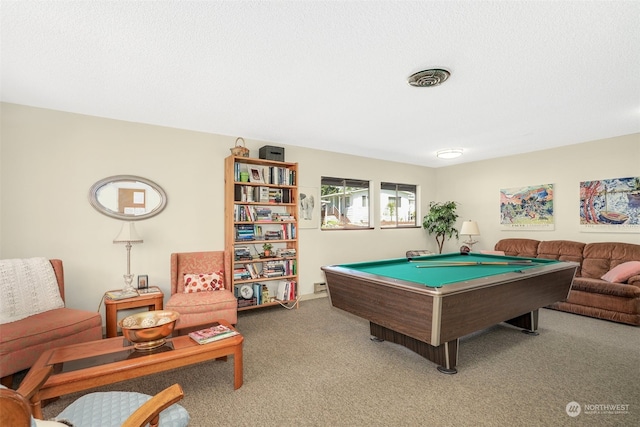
column 430, row 321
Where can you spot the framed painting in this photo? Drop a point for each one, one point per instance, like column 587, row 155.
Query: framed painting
column 309, row 207
column 527, row 208
column 610, row 205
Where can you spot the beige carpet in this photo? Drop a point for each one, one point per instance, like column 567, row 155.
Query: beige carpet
column 316, row 366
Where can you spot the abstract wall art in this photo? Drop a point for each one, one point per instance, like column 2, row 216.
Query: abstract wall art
column 610, row 205
column 527, row 208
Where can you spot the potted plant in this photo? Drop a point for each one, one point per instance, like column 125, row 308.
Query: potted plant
column 440, row 221
column 267, row 249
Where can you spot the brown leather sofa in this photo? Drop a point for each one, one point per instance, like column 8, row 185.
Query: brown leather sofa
column 590, row 295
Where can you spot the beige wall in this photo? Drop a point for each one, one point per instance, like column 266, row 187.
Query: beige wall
column 50, row 159
column 477, row 186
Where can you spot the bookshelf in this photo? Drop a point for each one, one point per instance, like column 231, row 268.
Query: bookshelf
column 261, row 207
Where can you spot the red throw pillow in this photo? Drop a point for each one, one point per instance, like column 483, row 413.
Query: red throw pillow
column 203, row 282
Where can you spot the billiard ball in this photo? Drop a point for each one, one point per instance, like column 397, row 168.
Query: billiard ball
column 464, row 250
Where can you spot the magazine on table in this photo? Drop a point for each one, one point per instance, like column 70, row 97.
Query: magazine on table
column 211, row 334
column 118, row 295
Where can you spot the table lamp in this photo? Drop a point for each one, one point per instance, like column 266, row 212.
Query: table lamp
column 128, row 235
column 470, row 228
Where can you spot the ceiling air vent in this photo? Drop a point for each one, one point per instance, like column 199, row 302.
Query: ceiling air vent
column 428, row 78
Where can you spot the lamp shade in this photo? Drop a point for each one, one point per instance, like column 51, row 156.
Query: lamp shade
column 128, row 233
column 470, row 228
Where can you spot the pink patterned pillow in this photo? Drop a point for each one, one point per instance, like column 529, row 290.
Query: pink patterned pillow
column 203, row 282
column 622, row 272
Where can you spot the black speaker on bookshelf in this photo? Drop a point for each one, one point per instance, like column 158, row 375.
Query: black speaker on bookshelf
column 269, row 152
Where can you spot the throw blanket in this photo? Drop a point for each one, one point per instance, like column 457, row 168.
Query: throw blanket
column 27, row 286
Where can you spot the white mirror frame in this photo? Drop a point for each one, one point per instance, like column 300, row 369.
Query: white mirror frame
column 137, row 182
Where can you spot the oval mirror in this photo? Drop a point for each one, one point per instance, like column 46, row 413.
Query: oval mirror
column 127, row 197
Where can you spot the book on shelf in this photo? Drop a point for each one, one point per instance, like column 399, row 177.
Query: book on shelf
column 263, row 194
column 286, row 291
column 251, row 268
column 241, row 273
column 245, row 232
column 287, row 252
column 242, row 253
column 273, row 235
column 263, row 214
column 246, row 302
column 214, row 333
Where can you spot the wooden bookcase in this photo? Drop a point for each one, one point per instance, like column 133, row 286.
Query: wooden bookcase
column 262, row 210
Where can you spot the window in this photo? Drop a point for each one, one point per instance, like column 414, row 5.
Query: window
column 397, row 205
column 345, row 203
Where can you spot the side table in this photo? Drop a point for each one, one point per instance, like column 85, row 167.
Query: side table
column 154, row 301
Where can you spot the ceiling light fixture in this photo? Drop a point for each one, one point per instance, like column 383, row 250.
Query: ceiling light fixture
column 428, row 78
column 450, row 153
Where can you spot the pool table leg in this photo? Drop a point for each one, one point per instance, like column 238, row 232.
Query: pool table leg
column 445, row 355
column 528, row 322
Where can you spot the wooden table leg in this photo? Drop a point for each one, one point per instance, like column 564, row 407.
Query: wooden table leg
column 237, row 367
column 111, row 320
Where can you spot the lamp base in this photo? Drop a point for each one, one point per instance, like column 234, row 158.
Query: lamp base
column 128, row 291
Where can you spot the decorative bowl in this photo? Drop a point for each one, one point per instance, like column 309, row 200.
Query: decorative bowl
column 149, row 330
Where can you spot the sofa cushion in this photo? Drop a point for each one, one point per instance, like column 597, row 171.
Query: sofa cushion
column 201, row 301
column 599, row 258
column 23, row 341
column 45, row 327
column 611, row 301
column 621, row 273
column 518, row 247
column 598, row 313
column 602, row 287
column 562, row 250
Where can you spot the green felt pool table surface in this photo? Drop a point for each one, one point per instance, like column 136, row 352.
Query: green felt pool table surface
column 422, row 270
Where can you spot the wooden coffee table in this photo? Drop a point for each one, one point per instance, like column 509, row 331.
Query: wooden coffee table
column 92, row 364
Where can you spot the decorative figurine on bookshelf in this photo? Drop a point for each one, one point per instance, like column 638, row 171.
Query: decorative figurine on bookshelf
column 265, row 294
column 267, row 249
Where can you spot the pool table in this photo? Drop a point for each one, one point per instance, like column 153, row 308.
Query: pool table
column 428, row 303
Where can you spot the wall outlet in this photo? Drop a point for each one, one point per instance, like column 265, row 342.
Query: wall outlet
column 319, row 287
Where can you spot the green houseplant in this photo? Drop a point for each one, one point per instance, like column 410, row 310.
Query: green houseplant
column 440, row 221
column 267, row 249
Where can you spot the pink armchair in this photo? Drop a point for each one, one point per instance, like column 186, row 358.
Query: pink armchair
column 201, row 308
column 22, row 341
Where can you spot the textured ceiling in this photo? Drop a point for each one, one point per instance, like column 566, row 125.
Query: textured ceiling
column 525, row 75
